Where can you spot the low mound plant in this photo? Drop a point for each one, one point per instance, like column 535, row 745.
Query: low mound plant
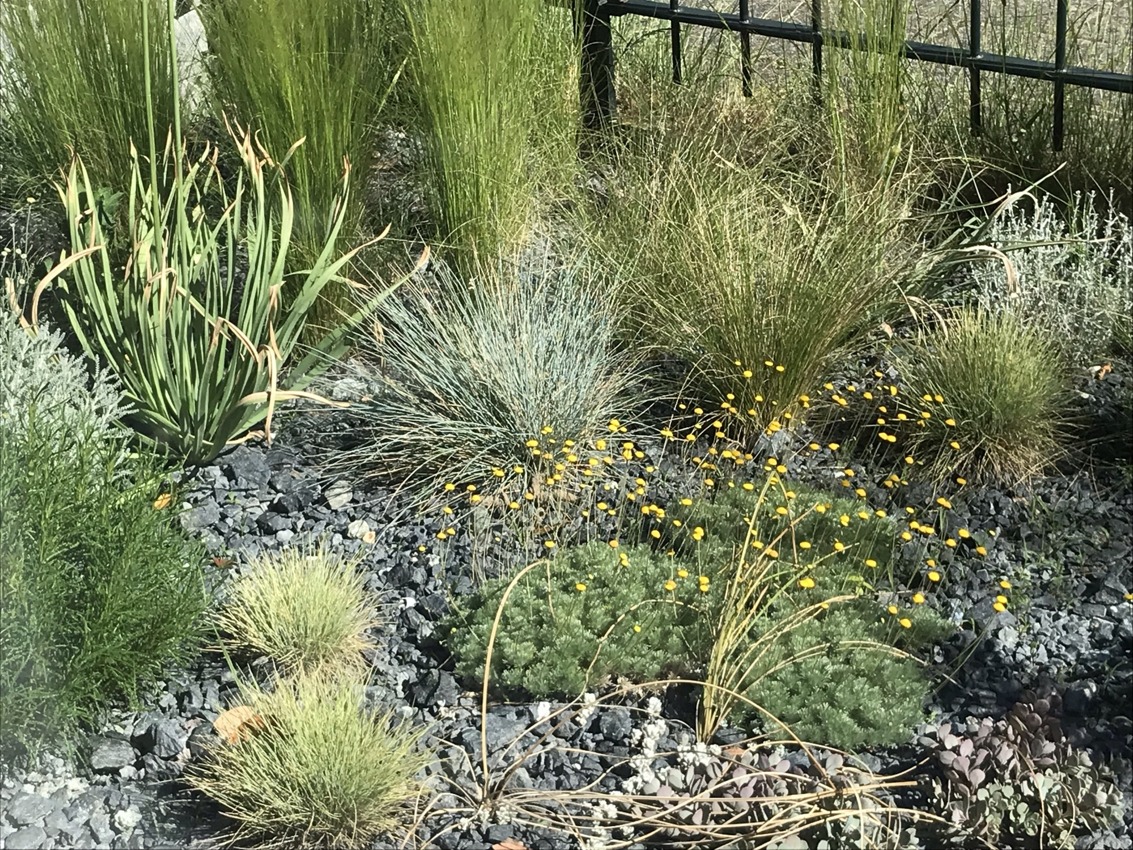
column 1002, row 387
column 788, row 612
column 311, row 767
column 98, row 591
column 830, row 682
column 1018, row 779
column 304, row 608
column 593, row 613
column 501, row 381
column 782, row 614
column 812, row 525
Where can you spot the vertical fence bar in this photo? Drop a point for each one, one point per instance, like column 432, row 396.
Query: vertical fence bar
column 745, row 49
column 1059, row 66
column 975, row 48
column 675, row 34
column 596, row 71
column 816, row 48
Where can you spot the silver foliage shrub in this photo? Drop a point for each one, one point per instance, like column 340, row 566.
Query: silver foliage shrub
column 1073, row 274
column 38, row 375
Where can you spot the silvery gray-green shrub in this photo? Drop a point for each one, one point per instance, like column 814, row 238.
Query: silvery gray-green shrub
column 37, row 373
column 1071, row 274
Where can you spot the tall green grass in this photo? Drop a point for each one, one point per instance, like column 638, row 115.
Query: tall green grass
column 492, row 81
column 316, row 70
column 863, row 86
column 76, row 79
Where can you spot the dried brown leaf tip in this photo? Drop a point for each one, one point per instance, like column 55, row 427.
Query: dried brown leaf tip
column 237, row 724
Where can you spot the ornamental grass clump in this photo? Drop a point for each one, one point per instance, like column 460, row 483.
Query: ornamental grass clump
column 72, row 78
column 302, row 608
column 319, row 70
column 98, row 591
column 481, row 381
column 492, row 88
column 758, row 289
column 311, row 767
column 1003, row 389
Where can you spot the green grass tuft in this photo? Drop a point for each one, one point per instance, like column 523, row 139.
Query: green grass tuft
column 1005, row 390
column 304, row 609
column 314, row 769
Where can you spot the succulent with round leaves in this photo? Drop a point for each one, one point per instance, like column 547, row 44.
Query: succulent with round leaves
column 1019, row 777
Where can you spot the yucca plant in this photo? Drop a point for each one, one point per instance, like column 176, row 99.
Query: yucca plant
column 198, row 343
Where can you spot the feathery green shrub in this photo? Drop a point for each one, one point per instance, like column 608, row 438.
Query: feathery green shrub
column 98, row 591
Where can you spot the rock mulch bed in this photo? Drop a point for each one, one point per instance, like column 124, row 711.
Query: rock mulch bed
column 122, row 790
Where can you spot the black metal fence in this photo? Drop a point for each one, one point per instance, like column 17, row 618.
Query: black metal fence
column 597, row 86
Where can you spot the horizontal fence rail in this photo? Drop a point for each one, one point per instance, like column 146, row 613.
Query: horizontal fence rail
column 598, row 54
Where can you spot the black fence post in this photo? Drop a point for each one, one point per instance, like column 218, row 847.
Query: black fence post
column 1060, row 35
column 975, row 48
column 745, row 49
column 816, row 49
column 675, row 41
column 596, row 70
